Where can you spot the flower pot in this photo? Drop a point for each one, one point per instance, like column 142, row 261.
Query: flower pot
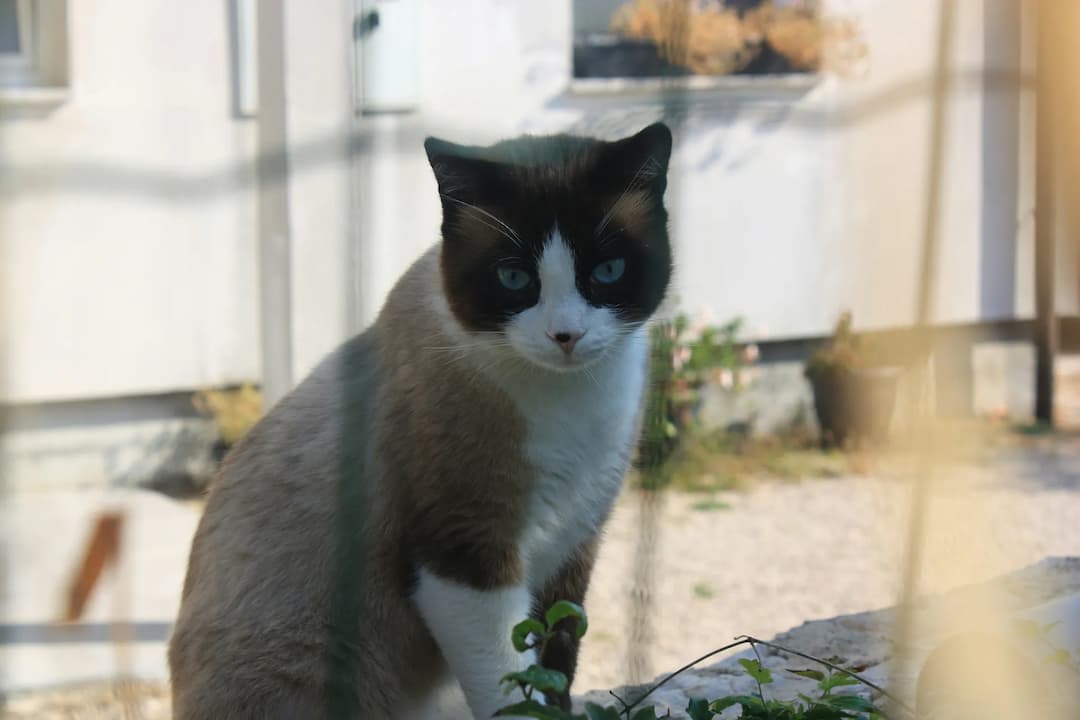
column 854, row 405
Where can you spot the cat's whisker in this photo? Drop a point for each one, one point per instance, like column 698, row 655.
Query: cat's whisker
column 469, row 346
column 499, row 230
column 589, row 374
column 606, row 240
column 641, row 174
column 507, row 231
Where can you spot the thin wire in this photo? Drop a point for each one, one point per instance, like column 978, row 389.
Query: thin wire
column 640, row 632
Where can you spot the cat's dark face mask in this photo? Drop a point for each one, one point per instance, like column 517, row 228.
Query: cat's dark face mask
column 558, row 245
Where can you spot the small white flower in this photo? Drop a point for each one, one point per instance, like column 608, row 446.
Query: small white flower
column 751, row 353
column 727, row 378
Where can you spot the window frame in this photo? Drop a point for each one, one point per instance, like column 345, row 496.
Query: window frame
column 17, row 69
column 39, row 70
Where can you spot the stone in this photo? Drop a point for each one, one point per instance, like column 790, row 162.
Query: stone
column 1047, row 593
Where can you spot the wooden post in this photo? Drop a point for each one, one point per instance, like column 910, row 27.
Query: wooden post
column 1046, row 330
column 102, row 551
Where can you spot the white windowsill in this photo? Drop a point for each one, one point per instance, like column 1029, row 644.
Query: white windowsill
column 33, row 97
column 742, row 85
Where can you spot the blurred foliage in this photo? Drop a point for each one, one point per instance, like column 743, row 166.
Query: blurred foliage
column 233, row 410
column 688, row 356
column 706, row 460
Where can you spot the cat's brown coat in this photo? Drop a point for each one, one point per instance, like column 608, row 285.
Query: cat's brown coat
column 257, row 619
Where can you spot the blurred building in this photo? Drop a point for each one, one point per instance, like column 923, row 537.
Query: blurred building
column 191, row 193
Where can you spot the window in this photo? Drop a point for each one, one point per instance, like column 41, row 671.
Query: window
column 33, row 39
column 712, row 38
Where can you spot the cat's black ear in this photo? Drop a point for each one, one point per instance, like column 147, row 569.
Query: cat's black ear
column 641, row 158
column 461, row 171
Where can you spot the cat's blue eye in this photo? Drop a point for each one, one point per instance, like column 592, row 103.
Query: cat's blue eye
column 513, row 278
column 609, row 271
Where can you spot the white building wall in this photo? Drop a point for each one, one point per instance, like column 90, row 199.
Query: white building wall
column 128, row 262
column 788, row 206
column 126, row 220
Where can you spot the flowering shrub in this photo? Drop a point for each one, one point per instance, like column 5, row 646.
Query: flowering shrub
column 688, row 356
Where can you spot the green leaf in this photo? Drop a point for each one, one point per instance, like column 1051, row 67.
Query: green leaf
column 1060, row 656
column 749, row 703
column 851, row 702
column 698, row 709
column 824, row 712
column 784, row 711
column 812, row 674
column 1027, row 628
column 595, row 712
column 753, row 668
column 836, row 680
column 566, row 609
column 1045, row 629
column 538, row 678
column 645, row 713
column 520, row 635
column 710, row 505
column 533, row 709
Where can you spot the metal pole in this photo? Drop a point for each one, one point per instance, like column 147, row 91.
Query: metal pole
column 1046, row 330
column 275, row 262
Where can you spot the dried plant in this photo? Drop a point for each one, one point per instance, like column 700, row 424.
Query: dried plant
column 810, row 41
column 234, row 411
column 708, row 38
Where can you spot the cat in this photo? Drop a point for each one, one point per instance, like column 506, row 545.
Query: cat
column 446, row 473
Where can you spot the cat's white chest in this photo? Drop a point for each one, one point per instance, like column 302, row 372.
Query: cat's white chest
column 580, row 437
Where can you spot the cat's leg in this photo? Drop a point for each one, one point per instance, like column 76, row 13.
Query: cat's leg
column 570, row 583
column 472, row 623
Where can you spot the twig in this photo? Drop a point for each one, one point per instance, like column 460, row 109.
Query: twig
column 627, row 708
column 754, row 641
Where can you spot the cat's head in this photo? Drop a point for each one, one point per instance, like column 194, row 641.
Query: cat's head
column 558, row 245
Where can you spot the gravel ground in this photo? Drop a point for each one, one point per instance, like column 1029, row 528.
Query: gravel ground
column 763, row 561
column 781, row 554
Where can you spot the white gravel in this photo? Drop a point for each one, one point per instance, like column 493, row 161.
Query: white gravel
column 763, row 561
column 784, row 553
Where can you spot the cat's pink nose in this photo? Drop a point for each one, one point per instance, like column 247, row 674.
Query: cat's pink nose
column 566, row 340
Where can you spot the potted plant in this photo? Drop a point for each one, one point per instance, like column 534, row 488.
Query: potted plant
column 853, row 400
